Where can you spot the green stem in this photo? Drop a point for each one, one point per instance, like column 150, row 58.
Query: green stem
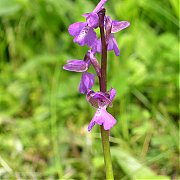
column 104, row 133
column 107, row 155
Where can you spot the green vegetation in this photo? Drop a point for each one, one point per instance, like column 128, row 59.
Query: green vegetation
column 43, row 118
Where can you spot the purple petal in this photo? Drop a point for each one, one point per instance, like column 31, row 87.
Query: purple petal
column 93, row 20
column 102, row 117
column 94, row 48
column 99, row 6
column 108, row 25
column 119, row 25
column 110, row 42
column 86, row 36
column 81, row 37
column 76, row 65
column 90, row 99
column 91, row 38
column 86, row 83
column 115, row 47
column 75, row 29
column 98, row 99
column 86, row 15
column 112, row 45
column 112, row 94
column 99, row 46
column 91, row 125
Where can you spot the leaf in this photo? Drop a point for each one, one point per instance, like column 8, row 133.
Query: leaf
column 9, row 7
column 132, row 167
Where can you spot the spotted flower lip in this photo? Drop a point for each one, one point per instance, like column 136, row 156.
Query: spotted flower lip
column 102, row 117
column 92, row 19
column 100, row 99
column 86, row 83
column 83, row 34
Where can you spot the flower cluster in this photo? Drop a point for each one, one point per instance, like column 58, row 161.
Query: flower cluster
column 84, row 34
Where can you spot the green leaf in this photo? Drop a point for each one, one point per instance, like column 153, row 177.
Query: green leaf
column 132, row 167
column 9, row 7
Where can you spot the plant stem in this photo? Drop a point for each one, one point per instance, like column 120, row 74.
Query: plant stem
column 104, row 133
column 107, row 155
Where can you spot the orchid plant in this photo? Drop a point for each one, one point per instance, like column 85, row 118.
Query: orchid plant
column 84, row 34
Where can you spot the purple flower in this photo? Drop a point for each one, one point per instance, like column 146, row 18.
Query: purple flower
column 102, row 117
column 100, row 101
column 112, row 26
column 87, row 79
column 86, row 83
column 97, row 99
column 83, row 32
column 112, row 94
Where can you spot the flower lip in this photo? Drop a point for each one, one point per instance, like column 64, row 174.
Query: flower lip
column 92, row 20
column 75, row 28
column 102, row 117
column 83, row 33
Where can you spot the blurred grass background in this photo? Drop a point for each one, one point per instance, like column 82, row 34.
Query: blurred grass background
column 43, row 118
